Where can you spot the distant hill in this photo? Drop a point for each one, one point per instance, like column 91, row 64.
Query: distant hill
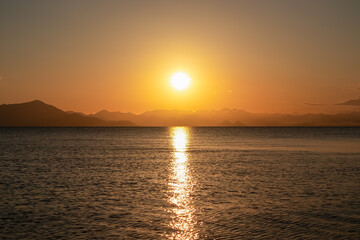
column 80, row 113
column 37, row 113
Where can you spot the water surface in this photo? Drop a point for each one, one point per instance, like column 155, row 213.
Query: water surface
column 179, row 183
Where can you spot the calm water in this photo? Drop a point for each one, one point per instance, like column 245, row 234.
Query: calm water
column 180, row 183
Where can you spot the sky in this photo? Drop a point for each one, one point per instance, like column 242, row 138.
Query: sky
column 261, row 56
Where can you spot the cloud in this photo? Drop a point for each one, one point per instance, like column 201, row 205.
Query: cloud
column 314, row 104
column 351, row 102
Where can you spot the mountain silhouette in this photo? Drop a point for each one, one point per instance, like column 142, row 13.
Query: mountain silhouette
column 232, row 117
column 38, row 113
column 113, row 116
column 351, row 102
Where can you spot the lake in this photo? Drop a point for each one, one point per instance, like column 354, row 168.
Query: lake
column 180, row 183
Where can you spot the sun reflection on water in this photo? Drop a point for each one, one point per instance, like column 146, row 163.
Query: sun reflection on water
column 181, row 187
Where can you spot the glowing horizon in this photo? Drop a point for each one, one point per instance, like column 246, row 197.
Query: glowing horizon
column 260, row 56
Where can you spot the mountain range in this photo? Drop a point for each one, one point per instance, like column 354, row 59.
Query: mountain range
column 38, row 113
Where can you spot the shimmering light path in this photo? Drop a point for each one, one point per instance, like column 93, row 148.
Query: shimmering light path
column 180, row 188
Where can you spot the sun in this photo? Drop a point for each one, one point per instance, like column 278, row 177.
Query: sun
column 180, row 80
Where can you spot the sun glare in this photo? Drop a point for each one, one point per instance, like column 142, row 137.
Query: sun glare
column 180, row 80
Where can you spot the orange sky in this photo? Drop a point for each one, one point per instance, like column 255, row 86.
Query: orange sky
column 260, row 56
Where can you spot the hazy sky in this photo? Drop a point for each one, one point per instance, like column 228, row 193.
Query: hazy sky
column 260, row 56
